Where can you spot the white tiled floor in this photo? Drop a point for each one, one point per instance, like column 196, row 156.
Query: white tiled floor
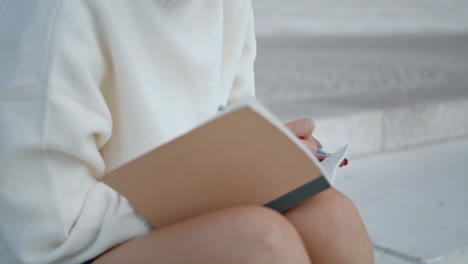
column 414, row 201
column 457, row 257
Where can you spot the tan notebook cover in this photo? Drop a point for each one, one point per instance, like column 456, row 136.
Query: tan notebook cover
column 242, row 157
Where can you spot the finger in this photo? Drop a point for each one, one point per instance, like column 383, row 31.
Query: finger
column 319, row 145
column 310, row 146
column 313, row 148
column 302, row 128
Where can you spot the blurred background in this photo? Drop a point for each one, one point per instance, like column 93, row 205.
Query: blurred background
column 390, row 77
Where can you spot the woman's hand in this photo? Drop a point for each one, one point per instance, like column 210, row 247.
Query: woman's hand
column 303, row 129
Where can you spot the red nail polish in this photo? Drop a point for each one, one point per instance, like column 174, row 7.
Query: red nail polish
column 344, row 163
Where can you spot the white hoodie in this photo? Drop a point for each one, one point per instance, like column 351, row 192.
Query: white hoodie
column 86, row 86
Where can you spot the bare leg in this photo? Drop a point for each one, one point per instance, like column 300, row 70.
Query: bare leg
column 332, row 230
column 234, row 235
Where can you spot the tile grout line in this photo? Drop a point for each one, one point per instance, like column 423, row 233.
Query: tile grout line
column 400, row 255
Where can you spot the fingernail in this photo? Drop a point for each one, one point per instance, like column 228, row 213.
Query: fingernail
column 344, row 163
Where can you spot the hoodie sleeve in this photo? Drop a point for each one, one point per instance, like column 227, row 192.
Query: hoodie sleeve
column 53, row 208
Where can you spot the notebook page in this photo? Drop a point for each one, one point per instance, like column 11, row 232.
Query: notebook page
column 331, row 163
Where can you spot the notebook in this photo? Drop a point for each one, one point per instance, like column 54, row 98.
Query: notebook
column 242, row 156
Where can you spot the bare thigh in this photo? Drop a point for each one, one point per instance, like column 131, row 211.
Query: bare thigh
column 234, row 235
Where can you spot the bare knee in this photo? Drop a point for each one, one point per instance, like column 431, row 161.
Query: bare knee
column 247, row 234
column 266, row 233
column 331, row 218
column 327, row 209
column 262, row 226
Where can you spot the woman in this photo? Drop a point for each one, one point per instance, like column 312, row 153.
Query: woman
column 86, row 86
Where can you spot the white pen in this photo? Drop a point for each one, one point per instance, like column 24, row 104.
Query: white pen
column 221, row 108
column 322, row 152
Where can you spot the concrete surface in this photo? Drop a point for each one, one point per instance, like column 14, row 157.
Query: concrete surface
column 360, row 16
column 404, row 67
column 414, row 202
column 382, row 129
column 378, row 93
column 457, row 257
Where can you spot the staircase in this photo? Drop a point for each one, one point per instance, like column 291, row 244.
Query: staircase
column 383, row 75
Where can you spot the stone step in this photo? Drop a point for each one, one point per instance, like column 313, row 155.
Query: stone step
column 377, row 93
column 360, row 16
column 381, row 129
column 319, row 67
